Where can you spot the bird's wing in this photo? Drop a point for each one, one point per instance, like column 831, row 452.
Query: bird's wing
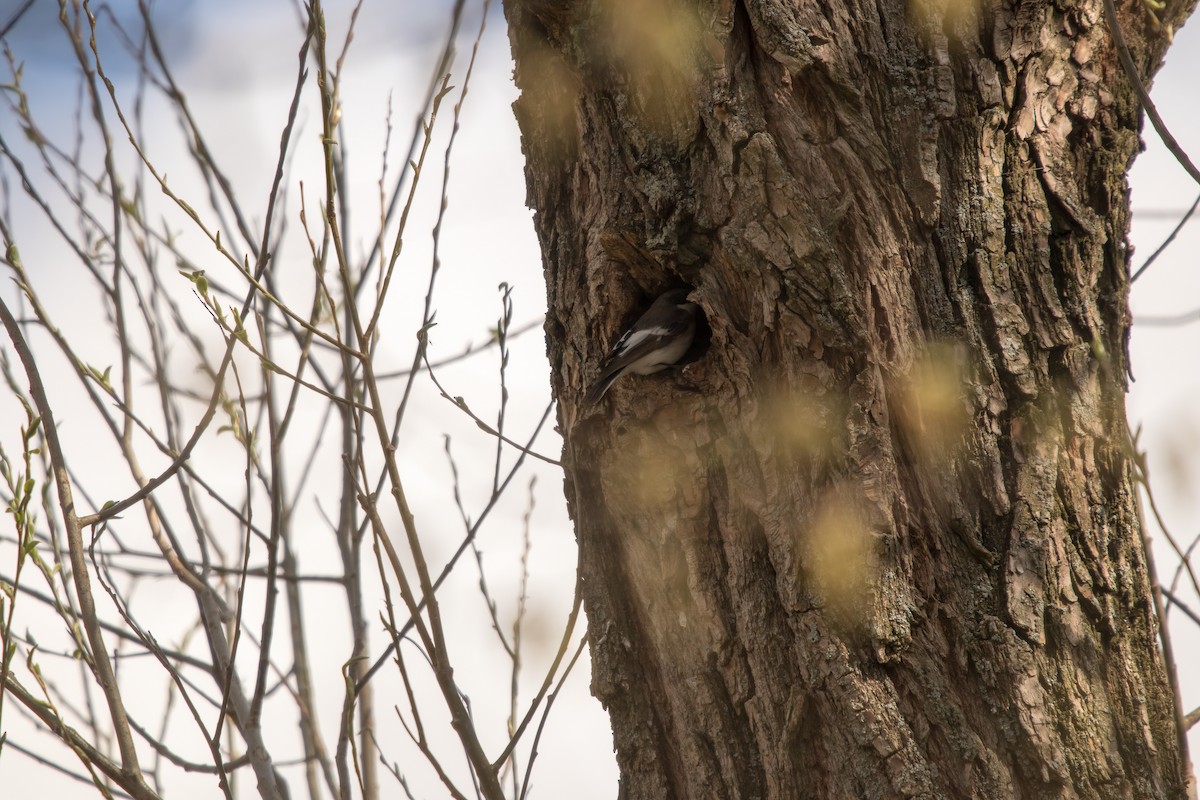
column 637, row 343
column 634, row 345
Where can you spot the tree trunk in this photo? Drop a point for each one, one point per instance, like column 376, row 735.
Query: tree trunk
column 880, row 538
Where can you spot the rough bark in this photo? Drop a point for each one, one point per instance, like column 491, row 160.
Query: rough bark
column 880, row 539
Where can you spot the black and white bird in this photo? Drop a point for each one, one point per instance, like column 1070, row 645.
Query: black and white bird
column 657, row 340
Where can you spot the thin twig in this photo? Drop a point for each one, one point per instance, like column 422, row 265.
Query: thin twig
column 108, row 682
column 483, row 426
column 1166, row 242
column 1131, row 71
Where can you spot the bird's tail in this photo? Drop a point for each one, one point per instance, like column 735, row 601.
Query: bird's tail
column 600, row 387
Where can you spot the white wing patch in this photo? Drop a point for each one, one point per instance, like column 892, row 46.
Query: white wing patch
column 662, row 356
column 635, row 337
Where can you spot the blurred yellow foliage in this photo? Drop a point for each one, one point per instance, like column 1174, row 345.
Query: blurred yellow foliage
column 657, row 45
column 932, row 407
column 840, row 556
